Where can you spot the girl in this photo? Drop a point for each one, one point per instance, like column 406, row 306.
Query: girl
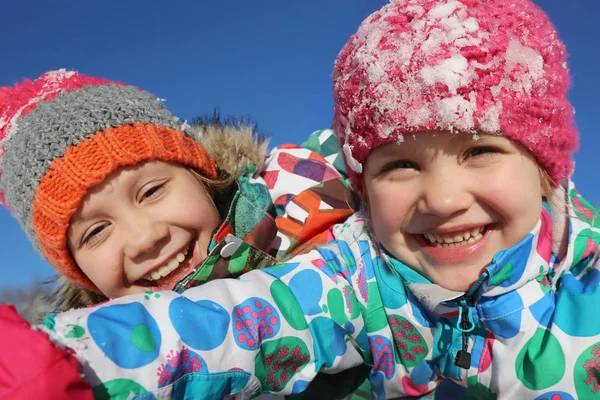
column 119, row 197
column 473, row 260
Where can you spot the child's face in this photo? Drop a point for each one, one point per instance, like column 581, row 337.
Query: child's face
column 139, row 228
column 481, row 196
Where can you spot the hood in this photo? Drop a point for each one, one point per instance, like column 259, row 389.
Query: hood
column 233, row 144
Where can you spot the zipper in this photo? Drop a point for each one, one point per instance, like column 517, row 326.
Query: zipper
column 465, row 323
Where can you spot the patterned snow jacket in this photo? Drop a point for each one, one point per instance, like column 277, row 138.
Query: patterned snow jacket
column 528, row 324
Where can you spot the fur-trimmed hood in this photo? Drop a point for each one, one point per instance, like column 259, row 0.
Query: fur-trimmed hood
column 233, row 145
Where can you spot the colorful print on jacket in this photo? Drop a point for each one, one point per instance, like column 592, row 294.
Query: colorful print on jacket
column 286, row 210
column 535, row 334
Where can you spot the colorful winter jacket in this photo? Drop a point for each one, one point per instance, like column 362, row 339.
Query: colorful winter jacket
column 527, row 324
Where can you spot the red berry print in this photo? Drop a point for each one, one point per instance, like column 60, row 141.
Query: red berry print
column 253, row 321
column 282, row 361
column 383, row 361
column 411, row 346
column 178, row 364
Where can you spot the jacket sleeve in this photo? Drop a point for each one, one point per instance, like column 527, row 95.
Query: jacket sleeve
column 271, row 330
column 33, row 367
column 309, row 192
column 324, row 143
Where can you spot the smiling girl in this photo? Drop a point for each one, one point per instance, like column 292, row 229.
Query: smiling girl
column 120, row 198
column 473, row 261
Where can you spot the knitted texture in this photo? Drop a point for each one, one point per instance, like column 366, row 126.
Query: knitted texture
column 470, row 66
column 62, row 134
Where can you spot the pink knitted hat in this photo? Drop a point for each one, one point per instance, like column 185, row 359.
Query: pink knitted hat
column 490, row 66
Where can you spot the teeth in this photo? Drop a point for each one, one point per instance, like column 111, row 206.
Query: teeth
column 167, row 269
column 456, row 239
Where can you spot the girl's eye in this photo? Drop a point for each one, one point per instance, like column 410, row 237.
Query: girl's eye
column 95, row 235
column 152, row 192
column 400, row 164
column 478, row 151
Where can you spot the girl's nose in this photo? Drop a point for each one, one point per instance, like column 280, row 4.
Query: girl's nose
column 144, row 236
column 444, row 194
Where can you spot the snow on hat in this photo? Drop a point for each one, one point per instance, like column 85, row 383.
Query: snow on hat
column 62, row 134
column 490, row 66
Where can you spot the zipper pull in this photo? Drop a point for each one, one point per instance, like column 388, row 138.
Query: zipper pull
column 465, row 324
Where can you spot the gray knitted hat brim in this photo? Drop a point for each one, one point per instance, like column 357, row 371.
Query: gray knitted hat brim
column 55, row 125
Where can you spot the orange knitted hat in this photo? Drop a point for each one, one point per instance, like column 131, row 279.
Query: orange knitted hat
column 62, row 134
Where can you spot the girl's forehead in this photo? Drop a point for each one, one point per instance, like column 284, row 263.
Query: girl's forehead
column 422, row 141
column 120, row 182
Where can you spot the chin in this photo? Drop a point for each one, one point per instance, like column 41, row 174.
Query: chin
column 459, row 280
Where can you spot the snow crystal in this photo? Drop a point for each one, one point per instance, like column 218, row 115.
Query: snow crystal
column 479, row 65
column 527, row 57
column 386, row 132
column 350, row 160
column 415, row 9
column 375, row 72
column 456, row 112
column 452, row 72
column 490, row 121
column 455, row 28
column 400, row 139
column 444, row 10
column 404, row 53
column 432, row 44
column 418, row 116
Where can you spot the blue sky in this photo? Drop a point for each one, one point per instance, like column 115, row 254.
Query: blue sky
column 268, row 59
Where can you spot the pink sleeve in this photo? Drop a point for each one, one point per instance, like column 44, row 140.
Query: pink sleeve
column 32, row 367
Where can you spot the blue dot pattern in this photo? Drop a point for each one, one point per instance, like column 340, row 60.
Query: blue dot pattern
column 188, row 322
column 333, row 342
column 116, row 340
column 308, row 283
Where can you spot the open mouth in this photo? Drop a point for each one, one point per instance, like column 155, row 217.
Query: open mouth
column 456, row 239
column 175, row 269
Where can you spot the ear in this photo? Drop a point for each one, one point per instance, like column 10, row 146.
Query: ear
column 545, row 184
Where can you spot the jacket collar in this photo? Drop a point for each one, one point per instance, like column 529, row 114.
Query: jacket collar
column 244, row 239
